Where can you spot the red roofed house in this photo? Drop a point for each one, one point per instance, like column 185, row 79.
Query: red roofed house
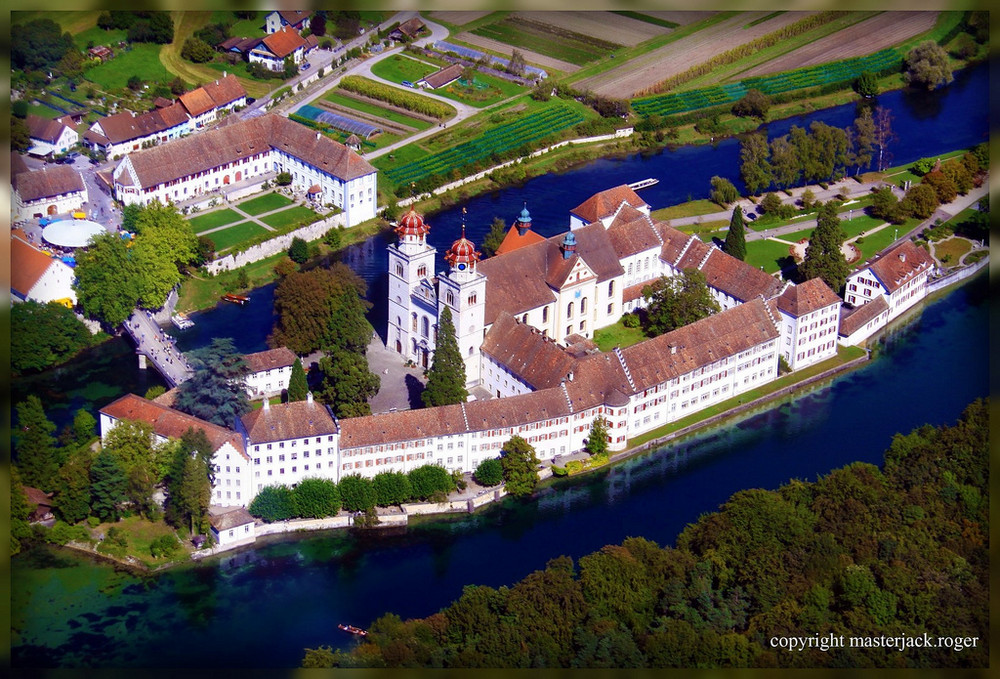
column 42, row 503
column 520, row 234
column 231, row 526
column 273, row 49
column 442, row 77
column 122, row 133
column 900, row 275
column 810, row 316
column 36, row 276
column 50, row 137
column 270, row 372
column 295, row 20
column 53, row 190
column 204, row 103
column 232, row 464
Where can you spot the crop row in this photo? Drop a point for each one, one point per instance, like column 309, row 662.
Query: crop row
column 396, row 96
column 812, row 76
column 497, row 141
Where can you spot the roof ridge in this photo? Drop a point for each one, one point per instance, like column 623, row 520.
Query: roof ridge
column 628, row 373
column 684, row 250
column 704, row 260
column 767, row 308
column 565, row 391
column 465, row 416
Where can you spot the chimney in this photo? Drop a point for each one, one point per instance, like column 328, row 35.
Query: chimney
column 224, row 74
column 673, row 348
column 309, row 397
column 902, row 256
column 570, row 376
column 317, row 136
column 267, row 404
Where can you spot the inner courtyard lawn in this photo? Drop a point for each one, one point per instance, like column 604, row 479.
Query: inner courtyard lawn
column 289, row 217
column 265, row 203
column 212, row 220
column 235, row 235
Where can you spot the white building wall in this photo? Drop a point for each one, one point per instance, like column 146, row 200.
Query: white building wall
column 67, row 140
column 233, row 535
column 500, row 381
column 289, row 462
column 64, row 203
column 232, row 478
column 268, row 382
column 55, row 283
column 813, row 336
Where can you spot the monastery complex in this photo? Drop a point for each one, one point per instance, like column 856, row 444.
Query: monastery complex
column 524, row 322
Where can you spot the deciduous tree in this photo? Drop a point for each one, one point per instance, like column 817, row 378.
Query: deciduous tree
column 357, row 494
column 723, row 192
column 197, row 50
column 392, row 488
column 489, row 472
column 274, row 503
column 866, row 84
column 753, row 104
column 736, row 241
column 520, row 466
column 298, row 252
column 864, row 138
column 927, row 66
column 39, row 44
column 430, row 482
column 316, row 498
column 347, row 383
column 446, row 377
column 677, row 301
column 107, row 280
column 884, row 136
column 785, row 163
column 754, row 166
column 920, row 201
column 43, row 335
column 597, row 440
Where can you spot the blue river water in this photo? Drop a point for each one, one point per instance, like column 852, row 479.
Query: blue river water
column 261, row 607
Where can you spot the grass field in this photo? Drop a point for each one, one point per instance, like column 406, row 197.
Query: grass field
column 398, row 68
column 691, row 208
column 265, row 203
column 235, row 235
column 649, row 19
column 574, row 48
column 213, row 220
column 43, row 111
column 99, row 36
column 876, row 242
column 285, row 218
column 953, row 248
column 241, row 28
column 363, row 106
column 766, row 253
column 498, row 89
column 72, row 21
column 617, row 335
column 142, row 60
column 141, row 534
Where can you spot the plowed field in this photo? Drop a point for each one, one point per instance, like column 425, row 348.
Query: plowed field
column 533, row 58
column 458, row 18
column 869, row 36
column 602, row 25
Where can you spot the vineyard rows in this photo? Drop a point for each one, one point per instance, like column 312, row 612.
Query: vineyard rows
column 813, row 76
column 499, row 140
column 395, row 96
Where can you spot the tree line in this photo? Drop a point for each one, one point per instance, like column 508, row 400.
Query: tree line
column 861, row 551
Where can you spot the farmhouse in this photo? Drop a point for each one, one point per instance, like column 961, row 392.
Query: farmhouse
column 51, row 190
column 122, row 133
column 294, row 20
column 249, row 150
column 205, row 103
column 443, row 77
column 50, row 137
column 37, row 276
column 273, row 49
column 407, row 30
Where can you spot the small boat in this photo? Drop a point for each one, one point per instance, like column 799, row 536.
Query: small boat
column 235, row 299
column 635, row 186
column 182, row 321
column 351, row 629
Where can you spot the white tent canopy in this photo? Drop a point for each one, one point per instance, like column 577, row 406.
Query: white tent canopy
column 72, row 233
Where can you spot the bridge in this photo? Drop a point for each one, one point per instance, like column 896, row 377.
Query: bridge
column 154, row 345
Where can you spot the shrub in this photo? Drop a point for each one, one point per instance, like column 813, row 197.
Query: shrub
column 62, row 532
column 430, row 481
column 298, row 252
column 273, row 503
column 631, row 320
column 316, row 498
column 165, row 546
column 489, row 472
column 357, row 493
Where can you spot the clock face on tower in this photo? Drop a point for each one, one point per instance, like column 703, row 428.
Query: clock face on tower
column 461, row 267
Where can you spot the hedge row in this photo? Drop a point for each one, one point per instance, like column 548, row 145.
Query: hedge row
column 396, row 96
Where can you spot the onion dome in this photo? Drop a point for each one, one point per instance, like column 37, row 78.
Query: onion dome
column 523, row 221
column 462, row 254
column 568, row 245
column 412, row 224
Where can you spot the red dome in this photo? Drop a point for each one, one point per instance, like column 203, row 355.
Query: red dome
column 412, row 224
column 462, row 254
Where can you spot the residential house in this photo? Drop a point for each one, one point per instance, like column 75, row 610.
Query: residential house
column 125, row 132
column 270, row 372
column 275, row 48
column 442, row 77
column 50, row 137
column 899, row 274
column 204, row 104
column 407, row 30
column 39, row 277
column 231, row 526
column 52, row 190
column 293, row 20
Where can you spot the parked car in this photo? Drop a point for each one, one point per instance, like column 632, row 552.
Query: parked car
column 306, row 66
column 407, row 83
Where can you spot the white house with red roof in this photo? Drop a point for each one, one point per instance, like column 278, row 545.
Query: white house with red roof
column 50, row 137
column 270, row 372
column 297, row 20
column 275, row 48
column 900, row 275
column 39, row 277
column 810, row 318
column 52, row 190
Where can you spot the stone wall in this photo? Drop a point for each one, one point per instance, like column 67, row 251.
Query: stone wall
column 277, row 244
column 955, row 276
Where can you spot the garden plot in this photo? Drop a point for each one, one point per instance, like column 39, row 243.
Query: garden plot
column 680, row 55
column 885, row 30
column 605, row 26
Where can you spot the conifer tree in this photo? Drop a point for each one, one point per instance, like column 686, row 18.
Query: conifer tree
column 72, row 498
column 823, row 256
column 34, row 446
column 597, row 442
column 108, row 486
column 20, row 510
column 446, row 377
column 736, row 242
column 215, row 392
column 297, row 386
column 493, row 240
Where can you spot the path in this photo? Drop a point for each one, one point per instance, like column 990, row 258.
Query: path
column 158, row 347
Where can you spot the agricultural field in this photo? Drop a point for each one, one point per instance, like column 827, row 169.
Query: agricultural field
column 99, row 36
column 484, row 90
column 397, row 97
column 530, row 54
column 875, row 34
column 266, row 203
column 241, row 28
column 531, row 31
column 371, row 108
column 680, row 55
column 398, row 68
column 682, row 18
column 604, row 26
column 458, row 18
column 72, row 21
column 496, row 141
column 142, row 60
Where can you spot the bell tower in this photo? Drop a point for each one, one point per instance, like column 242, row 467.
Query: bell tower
column 463, row 290
column 412, row 307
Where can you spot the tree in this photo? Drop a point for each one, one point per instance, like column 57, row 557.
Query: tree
column 166, row 230
column 135, row 83
column 493, row 239
column 520, row 466
column 754, row 166
column 446, row 377
column 866, row 84
column 430, row 482
column 333, row 239
column 20, row 136
column 197, row 50
column 318, row 24
column 864, row 138
column 291, row 68
column 357, row 494
column 108, row 486
column 216, row 391
column 884, row 136
column 190, row 480
column 71, row 64
column 84, row 425
column 177, row 87
column 824, row 258
column 920, row 201
column 723, row 192
column 20, row 510
column 597, row 441
column 489, row 472
column 348, row 328
column 736, row 241
column 753, row 104
column 807, row 199
column 39, row 44
column 106, row 282
column 885, row 205
column 785, row 162
column 943, row 186
column 347, row 383
column 72, row 489
column 316, row 498
column 298, row 252
column 306, row 304
column 958, row 172
column 283, row 179
column 274, row 503
column 927, row 65
column 298, row 389
column 34, row 446
column 392, row 488
column 131, row 443
column 44, row 335
column 677, row 301
column 516, row 65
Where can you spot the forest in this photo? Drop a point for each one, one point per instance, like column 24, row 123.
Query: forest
column 861, row 552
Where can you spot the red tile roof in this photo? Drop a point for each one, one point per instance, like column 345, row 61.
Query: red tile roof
column 406, row 425
column 225, row 90
column 633, row 232
column 44, row 128
column 51, row 181
column 898, row 265
column 37, row 497
column 737, row 278
column 852, row 319
column 171, row 423
column 514, row 240
column 233, row 518
column 27, row 265
column 123, row 127
column 284, row 42
column 410, row 27
column 444, row 76
column 533, row 358
column 604, row 204
column 293, row 17
column 283, row 421
column 17, row 164
column 282, row 357
column 799, row 300
column 197, row 101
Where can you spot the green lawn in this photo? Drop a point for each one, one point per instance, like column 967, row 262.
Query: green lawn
column 365, row 107
column 265, row 203
column 99, row 36
column 212, row 220
column 242, row 28
column 876, row 242
column 953, row 247
column 617, row 335
column 398, row 68
column 43, row 111
column 497, row 89
column 691, row 208
column 143, row 60
column 240, row 70
column 235, row 235
column 766, row 253
column 854, row 227
column 286, row 218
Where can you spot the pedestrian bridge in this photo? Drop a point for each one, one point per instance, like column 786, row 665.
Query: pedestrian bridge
column 154, row 345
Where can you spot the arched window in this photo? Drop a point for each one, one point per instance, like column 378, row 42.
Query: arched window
column 425, row 327
column 414, row 319
column 451, row 298
column 471, row 349
column 569, row 310
column 422, row 271
column 611, row 288
column 583, row 305
column 399, row 269
column 545, row 314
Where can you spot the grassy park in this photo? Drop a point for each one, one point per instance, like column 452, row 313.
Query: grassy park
column 265, row 203
column 235, row 235
column 290, row 217
column 213, row 220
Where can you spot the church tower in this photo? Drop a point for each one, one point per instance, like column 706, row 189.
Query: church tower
column 412, row 301
column 463, row 290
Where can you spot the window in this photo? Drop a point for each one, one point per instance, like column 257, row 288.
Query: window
column 583, row 305
column 611, row 288
column 569, row 310
column 472, row 298
column 399, row 269
column 545, row 315
column 422, row 271
column 451, row 298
